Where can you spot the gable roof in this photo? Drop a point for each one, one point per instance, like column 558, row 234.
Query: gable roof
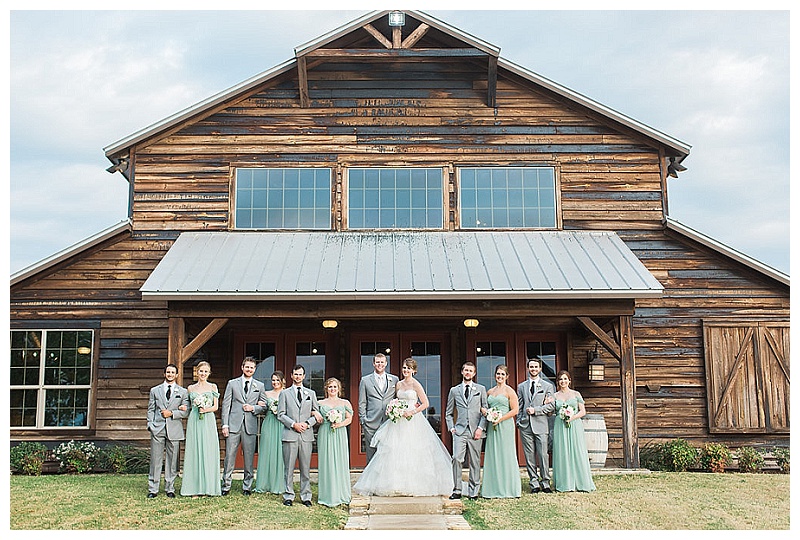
column 116, row 150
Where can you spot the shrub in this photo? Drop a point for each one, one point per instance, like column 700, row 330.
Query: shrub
column 76, row 457
column 651, row 456
column 679, row 455
column 124, row 459
column 750, row 460
column 28, row 458
column 714, row 457
column 781, row 454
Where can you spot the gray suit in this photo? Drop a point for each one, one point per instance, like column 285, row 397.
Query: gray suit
column 534, row 429
column 468, row 419
column 372, row 402
column 297, row 446
column 165, row 433
column 242, row 427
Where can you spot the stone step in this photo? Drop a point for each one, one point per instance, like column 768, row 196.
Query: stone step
column 409, row 505
column 407, row 522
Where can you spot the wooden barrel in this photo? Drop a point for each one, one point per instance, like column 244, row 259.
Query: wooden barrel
column 594, row 428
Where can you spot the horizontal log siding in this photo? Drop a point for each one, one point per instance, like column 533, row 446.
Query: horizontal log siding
column 397, row 113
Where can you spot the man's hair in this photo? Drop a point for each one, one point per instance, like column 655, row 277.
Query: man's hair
column 534, row 359
column 170, row 366
column 469, row 363
column 298, row 366
column 379, row 355
column 249, row 359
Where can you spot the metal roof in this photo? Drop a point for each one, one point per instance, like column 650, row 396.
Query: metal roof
column 399, row 264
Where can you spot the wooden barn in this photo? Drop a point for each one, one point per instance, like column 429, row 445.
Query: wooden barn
column 399, row 187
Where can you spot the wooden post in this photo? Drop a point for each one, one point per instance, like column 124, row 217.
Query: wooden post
column 627, row 378
column 491, row 85
column 175, row 339
column 302, row 81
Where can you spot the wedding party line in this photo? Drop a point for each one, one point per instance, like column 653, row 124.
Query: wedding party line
column 388, row 410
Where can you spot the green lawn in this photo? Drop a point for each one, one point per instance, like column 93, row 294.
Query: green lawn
column 670, row 501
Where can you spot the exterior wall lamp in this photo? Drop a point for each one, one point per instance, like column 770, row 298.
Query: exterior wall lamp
column 330, row 323
column 597, row 369
column 397, row 18
column 471, row 323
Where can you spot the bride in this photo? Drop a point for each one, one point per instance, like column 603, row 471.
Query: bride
column 407, row 441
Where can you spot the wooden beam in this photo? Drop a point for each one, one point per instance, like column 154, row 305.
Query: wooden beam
column 175, row 338
column 390, row 53
column 601, row 336
column 377, row 35
column 302, row 81
column 415, row 36
column 627, row 383
column 202, row 338
column 397, row 37
column 491, row 96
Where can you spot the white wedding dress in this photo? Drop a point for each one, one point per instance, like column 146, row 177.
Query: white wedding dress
column 410, row 459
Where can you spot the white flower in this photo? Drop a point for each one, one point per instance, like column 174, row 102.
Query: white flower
column 395, row 410
column 565, row 414
column 333, row 416
column 493, row 415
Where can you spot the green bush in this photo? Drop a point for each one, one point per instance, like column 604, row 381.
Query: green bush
column 714, row 457
column 679, row 455
column 750, row 460
column 651, row 456
column 781, row 454
column 76, row 456
column 28, row 458
column 124, row 459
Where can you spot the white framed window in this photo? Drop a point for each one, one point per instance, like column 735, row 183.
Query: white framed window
column 51, row 378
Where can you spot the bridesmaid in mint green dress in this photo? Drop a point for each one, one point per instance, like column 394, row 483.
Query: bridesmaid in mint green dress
column 201, row 474
column 501, row 478
column 571, row 470
column 332, row 447
column 269, row 475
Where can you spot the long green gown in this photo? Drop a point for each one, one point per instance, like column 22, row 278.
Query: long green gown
column 201, row 474
column 501, row 478
column 571, row 470
column 269, row 474
column 334, row 460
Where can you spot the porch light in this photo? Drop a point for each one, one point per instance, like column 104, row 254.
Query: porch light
column 471, row 323
column 597, row 369
column 397, row 18
column 330, row 323
column 84, row 350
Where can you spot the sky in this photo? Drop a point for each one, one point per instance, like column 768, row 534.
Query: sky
column 81, row 80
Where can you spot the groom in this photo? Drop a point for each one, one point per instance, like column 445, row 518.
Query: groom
column 468, row 429
column 375, row 391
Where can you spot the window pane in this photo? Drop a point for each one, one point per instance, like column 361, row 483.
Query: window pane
column 23, row 408
column 489, row 355
column 395, row 198
column 519, row 197
column 311, row 355
column 66, row 407
column 283, row 198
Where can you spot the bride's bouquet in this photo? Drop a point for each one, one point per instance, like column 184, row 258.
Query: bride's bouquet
column 565, row 414
column 493, row 415
column 395, row 410
column 334, row 416
column 203, row 401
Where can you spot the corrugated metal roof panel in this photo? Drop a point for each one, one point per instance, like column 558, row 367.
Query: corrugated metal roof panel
column 481, row 264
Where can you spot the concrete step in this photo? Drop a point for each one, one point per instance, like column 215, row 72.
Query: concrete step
column 407, row 522
column 413, row 505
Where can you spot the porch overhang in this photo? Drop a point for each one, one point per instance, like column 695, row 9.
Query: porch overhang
column 399, row 265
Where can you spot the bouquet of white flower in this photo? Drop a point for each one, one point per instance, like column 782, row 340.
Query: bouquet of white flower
column 203, row 401
column 333, row 416
column 493, row 415
column 566, row 414
column 273, row 406
column 395, row 410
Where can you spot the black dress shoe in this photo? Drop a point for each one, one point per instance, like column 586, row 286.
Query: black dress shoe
column 455, row 496
column 307, row 503
column 225, row 492
column 547, row 490
column 287, row 502
column 535, row 490
column 474, row 498
column 246, row 492
column 170, row 495
column 151, row 495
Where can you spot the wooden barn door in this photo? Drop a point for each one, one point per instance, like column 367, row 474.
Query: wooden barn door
column 747, row 377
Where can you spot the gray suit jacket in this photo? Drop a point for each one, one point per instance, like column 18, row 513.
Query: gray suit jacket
column 158, row 401
column 291, row 412
column 232, row 414
column 537, row 422
column 372, row 401
column 468, row 414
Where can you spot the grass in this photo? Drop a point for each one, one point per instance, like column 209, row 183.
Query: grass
column 663, row 501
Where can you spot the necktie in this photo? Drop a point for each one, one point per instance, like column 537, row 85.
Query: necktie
column 299, row 395
column 246, row 387
column 169, row 391
column 533, row 388
column 466, row 392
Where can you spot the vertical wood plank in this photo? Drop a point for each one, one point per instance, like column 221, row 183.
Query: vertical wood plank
column 627, row 377
column 175, row 339
column 302, row 81
column 491, row 92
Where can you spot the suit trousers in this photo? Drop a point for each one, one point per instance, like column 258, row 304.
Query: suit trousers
column 534, row 446
column 297, row 451
column 465, row 447
column 248, row 443
column 159, row 443
column 368, row 433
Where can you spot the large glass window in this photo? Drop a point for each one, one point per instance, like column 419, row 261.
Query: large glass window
column 51, row 377
column 507, row 197
column 297, row 198
column 405, row 198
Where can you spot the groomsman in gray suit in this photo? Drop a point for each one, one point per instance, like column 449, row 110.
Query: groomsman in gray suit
column 296, row 407
column 535, row 405
column 245, row 398
column 375, row 391
column 169, row 402
column 468, row 429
